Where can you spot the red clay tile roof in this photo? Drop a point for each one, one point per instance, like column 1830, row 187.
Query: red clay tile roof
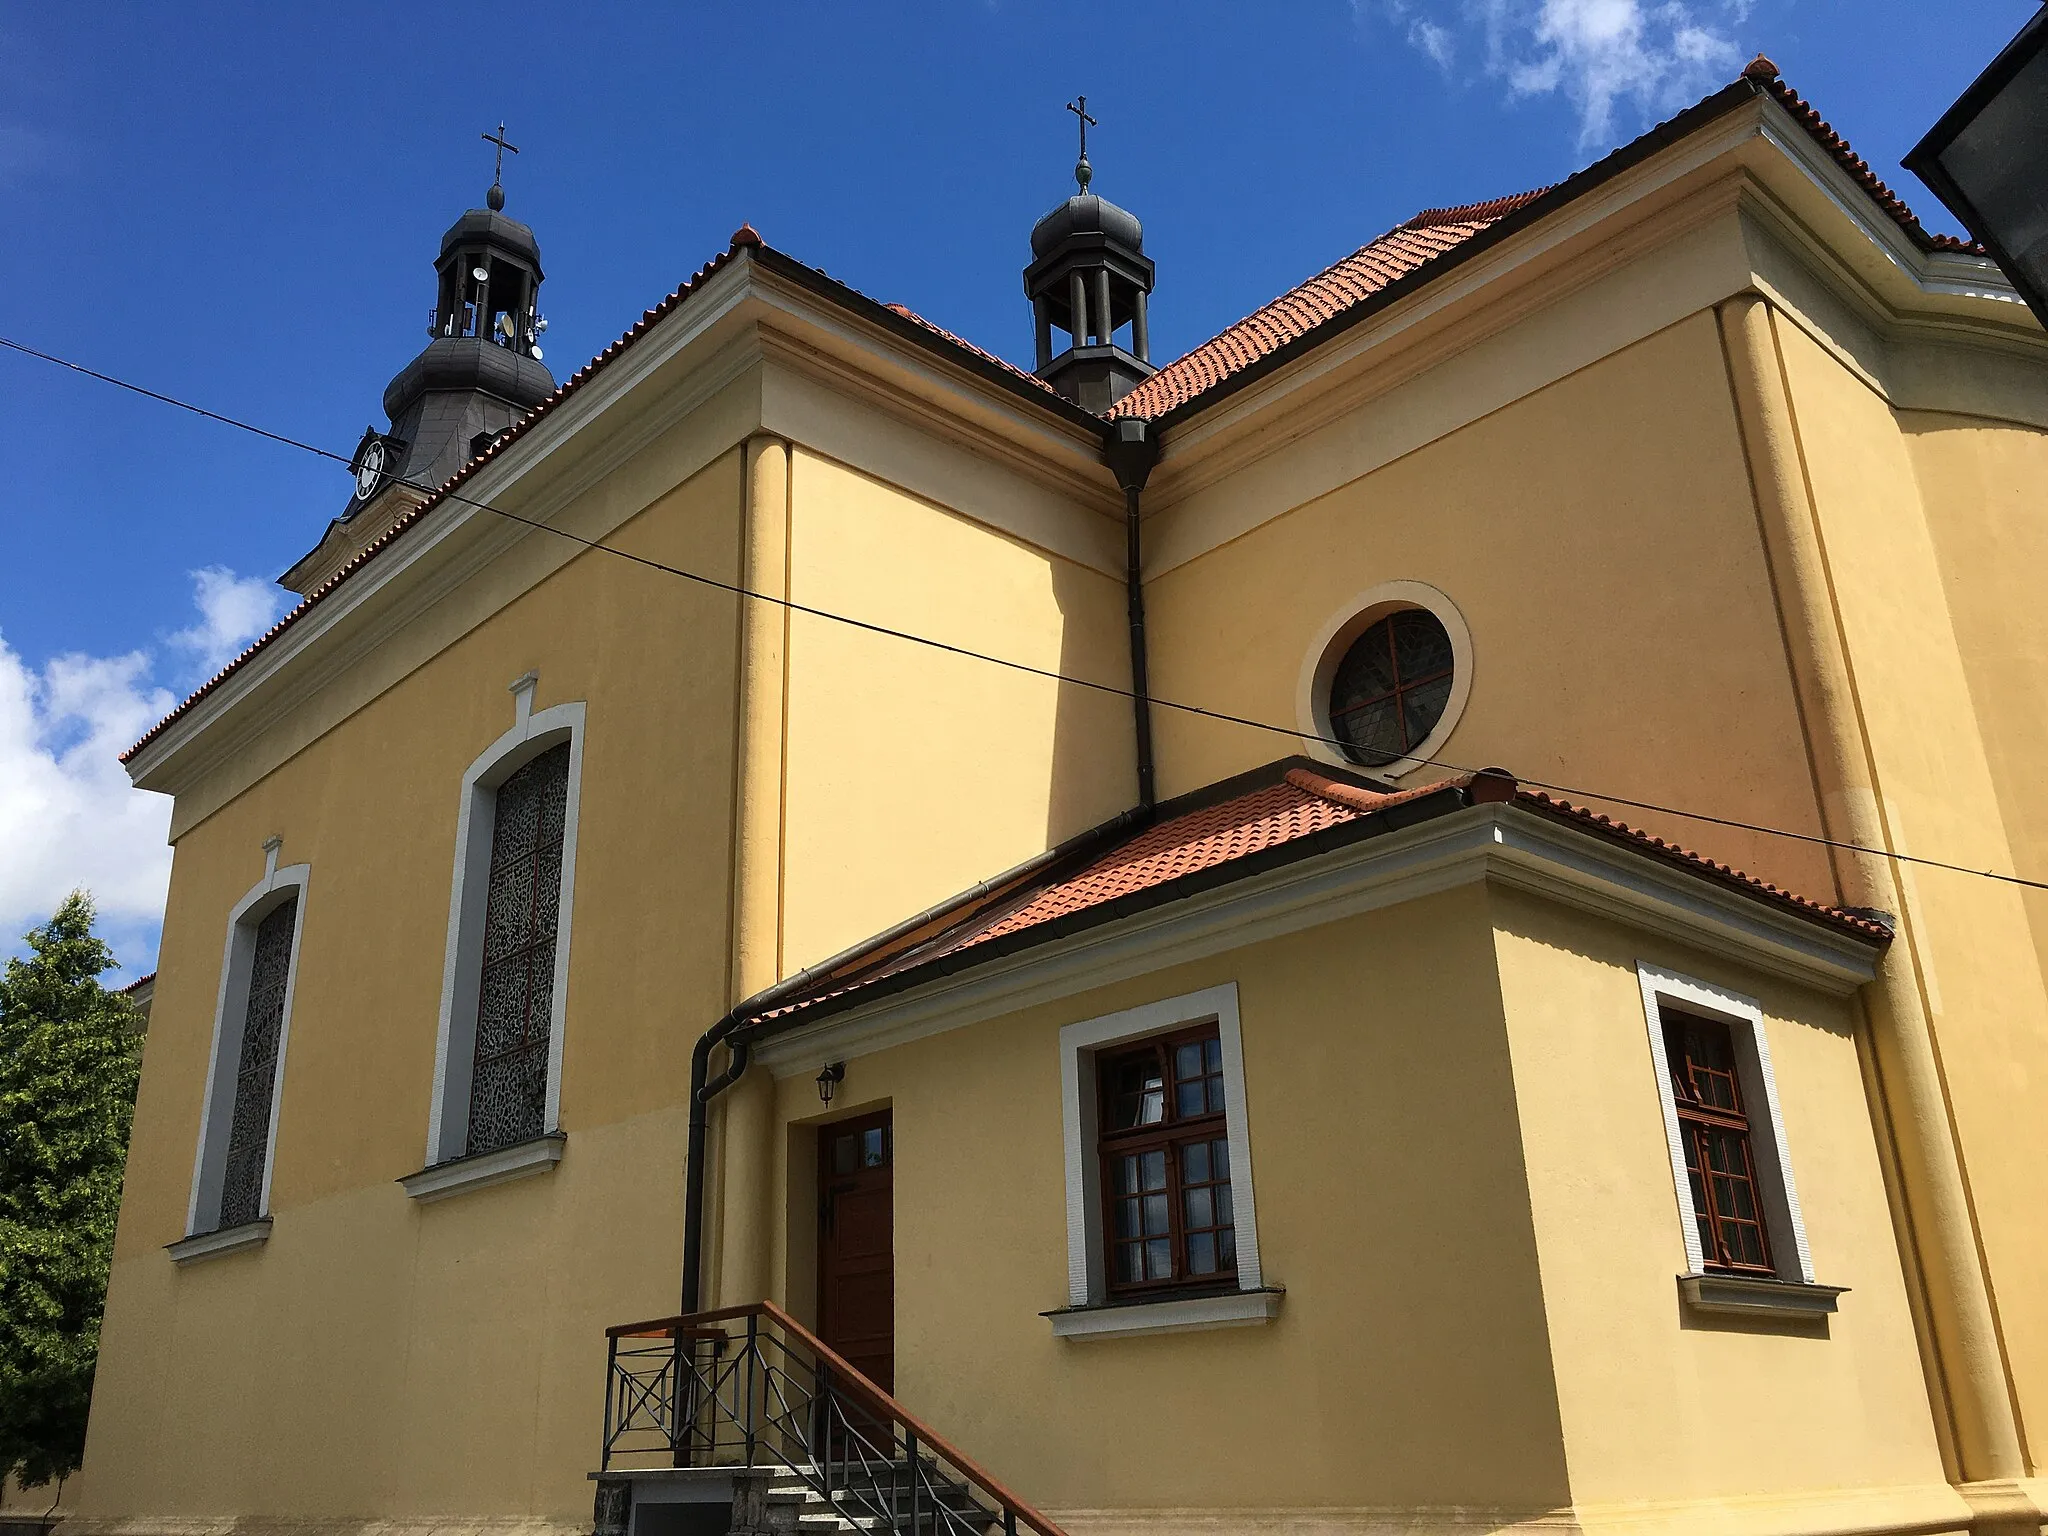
column 1338, row 287
column 1287, row 803
column 1301, row 804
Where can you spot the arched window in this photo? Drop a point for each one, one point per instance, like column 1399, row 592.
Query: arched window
column 1392, row 686
column 270, row 971
column 230, row 1203
column 515, row 993
column 498, row 1060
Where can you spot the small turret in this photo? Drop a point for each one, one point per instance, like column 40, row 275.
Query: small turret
column 1089, row 277
column 479, row 373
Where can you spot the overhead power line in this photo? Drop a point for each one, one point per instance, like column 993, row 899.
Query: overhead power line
column 1223, row 717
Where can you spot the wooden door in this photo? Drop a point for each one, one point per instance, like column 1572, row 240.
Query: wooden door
column 856, row 1245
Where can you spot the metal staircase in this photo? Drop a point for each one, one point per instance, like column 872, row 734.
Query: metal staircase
column 747, row 1400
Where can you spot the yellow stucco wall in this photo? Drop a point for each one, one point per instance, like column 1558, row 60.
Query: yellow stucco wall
column 913, row 773
column 1462, row 1180
column 1600, row 539
column 1463, row 1186
column 1980, row 482
column 1659, row 1403
column 1930, row 671
column 1391, row 1206
column 382, row 1357
column 908, row 775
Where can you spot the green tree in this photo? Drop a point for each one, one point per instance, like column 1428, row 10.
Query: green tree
column 69, row 1060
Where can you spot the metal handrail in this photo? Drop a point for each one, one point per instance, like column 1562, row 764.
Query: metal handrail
column 860, row 1449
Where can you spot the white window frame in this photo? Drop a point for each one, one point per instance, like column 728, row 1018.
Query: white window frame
column 1090, row 1311
column 224, row 1058
column 1777, row 1190
column 533, row 732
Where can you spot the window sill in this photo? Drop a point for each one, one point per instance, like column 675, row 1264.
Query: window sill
column 1169, row 1314
column 461, row 1174
column 1745, row 1296
column 207, row 1245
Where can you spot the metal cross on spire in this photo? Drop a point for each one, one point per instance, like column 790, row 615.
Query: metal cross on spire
column 497, row 195
column 1083, row 171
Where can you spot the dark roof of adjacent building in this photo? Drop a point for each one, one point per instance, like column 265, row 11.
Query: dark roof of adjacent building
column 1286, row 811
column 1379, row 273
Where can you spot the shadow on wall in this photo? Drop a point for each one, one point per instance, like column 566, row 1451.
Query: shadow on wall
column 1094, row 742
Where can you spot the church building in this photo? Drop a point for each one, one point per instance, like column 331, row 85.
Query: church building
column 1403, row 924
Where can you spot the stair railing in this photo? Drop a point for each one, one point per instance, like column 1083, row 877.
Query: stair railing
column 752, row 1387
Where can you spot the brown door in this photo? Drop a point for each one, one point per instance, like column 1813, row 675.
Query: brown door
column 856, row 1245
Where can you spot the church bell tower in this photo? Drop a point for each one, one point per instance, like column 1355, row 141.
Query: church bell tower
column 480, row 371
column 1089, row 277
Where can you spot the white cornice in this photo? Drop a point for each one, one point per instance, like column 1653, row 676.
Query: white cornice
column 1606, row 227
column 1932, row 274
column 1505, row 846
column 909, row 379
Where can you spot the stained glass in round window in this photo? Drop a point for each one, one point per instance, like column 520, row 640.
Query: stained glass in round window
column 1391, row 687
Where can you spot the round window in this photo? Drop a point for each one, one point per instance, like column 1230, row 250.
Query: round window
column 1390, row 689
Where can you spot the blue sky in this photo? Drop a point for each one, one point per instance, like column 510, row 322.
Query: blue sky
column 240, row 205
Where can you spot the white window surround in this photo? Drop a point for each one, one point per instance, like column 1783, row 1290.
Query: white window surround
column 207, row 1245
column 1312, row 699
column 217, row 1108
column 1794, row 1292
column 1090, row 1313
column 533, row 732
column 499, row 1166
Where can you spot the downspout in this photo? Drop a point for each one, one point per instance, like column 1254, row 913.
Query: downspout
column 732, row 1029
column 1969, row 1375
column 1130, row 449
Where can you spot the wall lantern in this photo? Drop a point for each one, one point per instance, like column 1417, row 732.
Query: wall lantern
column 1987, row 160
column 829, row 1079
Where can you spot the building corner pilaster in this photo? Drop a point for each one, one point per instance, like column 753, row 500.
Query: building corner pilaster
column 1968, row 1377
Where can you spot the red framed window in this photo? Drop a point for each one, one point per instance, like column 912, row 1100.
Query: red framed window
column 1165, row 1157
column 1713, row 1127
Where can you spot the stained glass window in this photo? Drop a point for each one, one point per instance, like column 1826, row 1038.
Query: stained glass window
column 515, row 997
column 1166, row 1163
column 1714, row 1129
column 241, row 1197
column 1392, row 687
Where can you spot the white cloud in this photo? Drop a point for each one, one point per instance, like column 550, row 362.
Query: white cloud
column 68, row 815
column 1647, row 56
column 233, row 610
column 1433, row 39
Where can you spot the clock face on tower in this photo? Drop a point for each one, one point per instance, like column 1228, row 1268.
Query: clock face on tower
column 369, row 467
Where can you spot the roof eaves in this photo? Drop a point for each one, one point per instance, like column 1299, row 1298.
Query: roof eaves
column 1573, row 187
column 1765, row 75
column 928, row 337
column 745, row 238
column 1378, row 816
column 1438, row 800
column 1611, row 830
column 1516, row 213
